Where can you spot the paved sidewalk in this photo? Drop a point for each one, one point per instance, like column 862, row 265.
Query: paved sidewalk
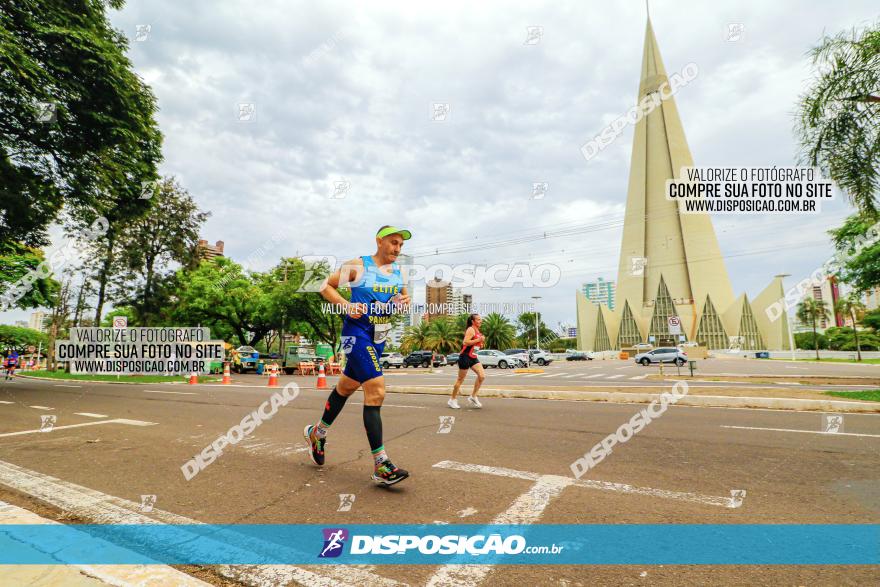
column 84, row 575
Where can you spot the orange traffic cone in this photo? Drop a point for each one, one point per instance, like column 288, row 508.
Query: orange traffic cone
column 227, row 377
column 273, row 377
column 322, row 379
column 193, row 378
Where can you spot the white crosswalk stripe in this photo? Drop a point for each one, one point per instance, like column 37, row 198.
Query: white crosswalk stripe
column 615, row 376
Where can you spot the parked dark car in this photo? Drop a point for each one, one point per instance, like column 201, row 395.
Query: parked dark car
column 452, row 358
column 423, row 359
column 579, row 357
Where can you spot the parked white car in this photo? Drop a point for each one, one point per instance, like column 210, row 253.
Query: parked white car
column 491, row 358
column 662, row 355
column 540, row 357
column 391, row 360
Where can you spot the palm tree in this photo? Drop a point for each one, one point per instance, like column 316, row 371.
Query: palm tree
column 851, row 305
column 839, row 118
column 812, row 310
column 443, row 336
column 498, row 331
column 415, row 337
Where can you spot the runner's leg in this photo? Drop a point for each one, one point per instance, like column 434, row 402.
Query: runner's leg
column 316, row 434
column 384, row 470
column 462, row 373
column 481, row 376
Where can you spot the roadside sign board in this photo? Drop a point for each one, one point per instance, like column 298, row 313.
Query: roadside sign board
column 674, row 325
column 120, row 322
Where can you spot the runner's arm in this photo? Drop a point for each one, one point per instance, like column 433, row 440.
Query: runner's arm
column 350, row 272
column 470, row 336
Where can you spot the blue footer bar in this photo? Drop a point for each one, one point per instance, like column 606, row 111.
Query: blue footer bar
column 609, row 544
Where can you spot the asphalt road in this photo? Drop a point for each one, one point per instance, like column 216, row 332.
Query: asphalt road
column 125, row 441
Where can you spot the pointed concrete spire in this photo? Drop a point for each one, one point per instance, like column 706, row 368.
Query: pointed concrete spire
column 681, row 248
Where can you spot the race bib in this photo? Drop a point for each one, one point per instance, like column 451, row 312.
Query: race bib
column 380, row 332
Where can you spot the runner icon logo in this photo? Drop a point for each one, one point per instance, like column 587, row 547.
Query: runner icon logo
column 346, row 500
column 47, row 423
column 347, row 344
column 334, row 542
column 446, row 423
column 147, row 503
column 832, row 423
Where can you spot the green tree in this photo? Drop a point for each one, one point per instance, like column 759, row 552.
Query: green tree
column 839, row 116
column 811, row 311
column 295, row 310
column 126, row 311
column 16, row 262
column 221, row 295
column 416, row 337
column 499, row 333
column 858, row 252
column 852, row 307
column 443, row 335
column 77, row 121
column 167, row 232
column 871, row 319
column 807, row 341
column 525, row 324
column 20, row 338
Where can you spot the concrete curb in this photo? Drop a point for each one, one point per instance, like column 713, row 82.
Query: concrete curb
column 772, row 403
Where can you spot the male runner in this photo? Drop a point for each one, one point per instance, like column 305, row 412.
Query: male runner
column 11, row 363
column 376, row 289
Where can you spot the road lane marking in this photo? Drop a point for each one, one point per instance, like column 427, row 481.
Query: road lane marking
column 54, row 428
column 603, row 485
column 101, row 508
column 525, row 509
column 174, row 392
column 90, row 415
column 41, row 408
column 594, row 376
column 615, row 376
column 572, row 375
column 639, row 377
column 5, row 402
column 63, row 385
column 122, row 575
column 529, row 507
column 804, row 431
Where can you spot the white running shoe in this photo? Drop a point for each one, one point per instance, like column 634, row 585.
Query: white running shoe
column 453, row 403
column 474, row 402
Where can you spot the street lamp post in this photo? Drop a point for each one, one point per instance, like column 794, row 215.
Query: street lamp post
column 782, row 277
column 537, row 333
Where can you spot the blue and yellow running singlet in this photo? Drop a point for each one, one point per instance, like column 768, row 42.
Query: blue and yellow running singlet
column 363, row 339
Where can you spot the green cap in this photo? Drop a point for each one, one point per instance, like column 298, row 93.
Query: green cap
column 387, row 230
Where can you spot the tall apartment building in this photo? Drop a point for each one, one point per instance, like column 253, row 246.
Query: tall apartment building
column 37, row 321
column 443, row 299
column 206, row 251
column 829, row 293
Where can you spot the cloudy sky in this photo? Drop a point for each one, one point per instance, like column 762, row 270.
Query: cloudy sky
column 344, row 92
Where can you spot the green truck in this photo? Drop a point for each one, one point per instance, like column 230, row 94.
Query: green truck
column 296, row 354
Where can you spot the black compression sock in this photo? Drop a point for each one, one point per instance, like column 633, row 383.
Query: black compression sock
column 373, row 424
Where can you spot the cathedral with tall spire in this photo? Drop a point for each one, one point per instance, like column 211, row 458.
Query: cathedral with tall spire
column 670, row 263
